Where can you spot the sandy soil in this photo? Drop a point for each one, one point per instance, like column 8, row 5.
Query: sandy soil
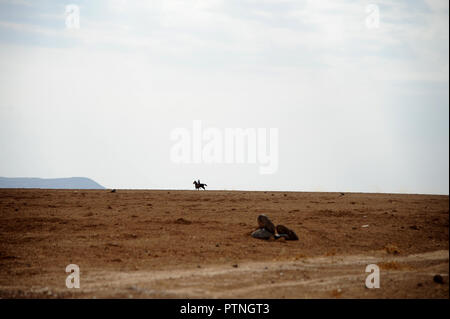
column 197, row 244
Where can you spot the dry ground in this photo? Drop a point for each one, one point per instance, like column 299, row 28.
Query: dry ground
column 197, row 244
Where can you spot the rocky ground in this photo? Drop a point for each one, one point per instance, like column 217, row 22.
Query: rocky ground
column 197, row 244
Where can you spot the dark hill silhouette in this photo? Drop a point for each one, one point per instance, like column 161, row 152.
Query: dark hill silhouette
column 61, row 183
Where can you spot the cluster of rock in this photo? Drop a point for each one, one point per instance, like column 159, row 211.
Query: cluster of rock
column 268, row 230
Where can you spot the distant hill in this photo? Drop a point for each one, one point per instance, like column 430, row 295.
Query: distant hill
column 61, row 183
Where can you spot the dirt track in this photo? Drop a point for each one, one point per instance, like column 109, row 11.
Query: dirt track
column 197, row 244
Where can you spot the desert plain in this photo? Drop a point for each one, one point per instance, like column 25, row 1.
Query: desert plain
column 197, row 244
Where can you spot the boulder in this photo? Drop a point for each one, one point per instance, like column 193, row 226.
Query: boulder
column 264, row 222
column 285, row 232
column 262, row 233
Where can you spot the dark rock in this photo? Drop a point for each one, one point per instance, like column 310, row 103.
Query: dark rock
column 264, row 222
column 286, row 233
column 183, row 221
column 261, row 233
column 438, row 279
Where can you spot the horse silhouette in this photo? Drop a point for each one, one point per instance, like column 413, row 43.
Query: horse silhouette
column 199, row 185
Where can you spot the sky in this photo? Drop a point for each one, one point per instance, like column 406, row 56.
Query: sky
column 357, row 92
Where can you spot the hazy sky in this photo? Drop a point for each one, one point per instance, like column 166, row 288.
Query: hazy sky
column 357, row 108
